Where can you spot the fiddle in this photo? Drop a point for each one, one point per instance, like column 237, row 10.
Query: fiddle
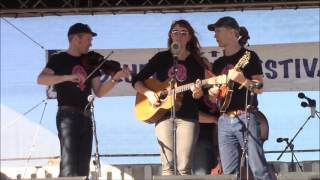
column 93, row 61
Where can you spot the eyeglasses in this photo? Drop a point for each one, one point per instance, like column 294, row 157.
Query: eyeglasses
column 177, row 32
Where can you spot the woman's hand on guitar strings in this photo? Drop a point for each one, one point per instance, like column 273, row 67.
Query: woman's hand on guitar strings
column 153, row 98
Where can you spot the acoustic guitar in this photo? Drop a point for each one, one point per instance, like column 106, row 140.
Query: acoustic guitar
column 146, row 112
column 227, row 90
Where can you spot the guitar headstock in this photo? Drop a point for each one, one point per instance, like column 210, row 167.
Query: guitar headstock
column 244, row 60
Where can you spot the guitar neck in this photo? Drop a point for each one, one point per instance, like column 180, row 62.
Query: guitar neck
column 187, row 87
column 237, row 67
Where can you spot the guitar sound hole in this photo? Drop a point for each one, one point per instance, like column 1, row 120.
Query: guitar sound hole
column 163, row 95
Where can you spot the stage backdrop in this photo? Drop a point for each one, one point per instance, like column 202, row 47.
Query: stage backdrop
column 286, row 67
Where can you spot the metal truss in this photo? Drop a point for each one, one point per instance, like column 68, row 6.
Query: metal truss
column 26, row 8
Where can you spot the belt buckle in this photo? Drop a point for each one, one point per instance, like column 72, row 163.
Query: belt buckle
column 85, row 112
column 232, row 114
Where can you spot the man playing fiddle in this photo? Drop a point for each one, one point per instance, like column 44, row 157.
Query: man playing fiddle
column 66, row 72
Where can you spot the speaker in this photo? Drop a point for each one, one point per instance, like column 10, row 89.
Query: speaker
column 195, row 177
column 299, row 176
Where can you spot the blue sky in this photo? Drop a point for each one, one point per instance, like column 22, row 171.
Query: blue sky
column 118, row 131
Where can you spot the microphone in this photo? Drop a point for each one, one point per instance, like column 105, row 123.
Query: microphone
column 301, row 95
column 279, row 140
column 311, row 103
column 175, row 48
column 256, row 85
column 305, row 104
column 312, row 108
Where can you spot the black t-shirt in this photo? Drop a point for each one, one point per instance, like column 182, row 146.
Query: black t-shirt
column 188, row 71
column 70, row 93
column 224, row 63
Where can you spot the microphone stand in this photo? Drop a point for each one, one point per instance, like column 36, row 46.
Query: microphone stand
column 289, row 144
column 173, row 112
column 96, row 160
column 36, row 133
column 292, row 167
column 318, row 114
column 249, row 109
column 25, row 113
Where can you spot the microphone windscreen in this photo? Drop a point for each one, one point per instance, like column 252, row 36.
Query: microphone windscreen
column 175, row 48
column 304, row 104
column 301, row 95
column 259, row 85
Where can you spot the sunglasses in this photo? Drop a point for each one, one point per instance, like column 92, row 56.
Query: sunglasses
column 177, row 32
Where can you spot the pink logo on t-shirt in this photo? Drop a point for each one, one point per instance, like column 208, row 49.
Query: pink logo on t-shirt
column 227, row 68
column 78, row 69
column 211, row 106
column 181, row 72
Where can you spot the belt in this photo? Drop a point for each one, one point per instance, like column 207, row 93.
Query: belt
column 234, row 113
column 86, row 112
column 71, row 108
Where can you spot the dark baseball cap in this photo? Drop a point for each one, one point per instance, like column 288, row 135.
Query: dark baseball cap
column 80, row 28
column 227, row 22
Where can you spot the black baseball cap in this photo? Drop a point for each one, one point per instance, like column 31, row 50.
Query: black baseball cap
column 80, row 28
column 228, row 22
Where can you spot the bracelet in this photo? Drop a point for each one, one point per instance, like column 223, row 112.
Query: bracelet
column 115, row 80
column 243, row 84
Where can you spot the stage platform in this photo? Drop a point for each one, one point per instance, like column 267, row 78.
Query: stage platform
column 310, row 169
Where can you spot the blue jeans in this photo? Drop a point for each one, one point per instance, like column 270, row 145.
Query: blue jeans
column 231, row 140
column 75, row 135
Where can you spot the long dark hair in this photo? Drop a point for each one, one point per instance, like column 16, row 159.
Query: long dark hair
column 243, row 32
column 193, row 46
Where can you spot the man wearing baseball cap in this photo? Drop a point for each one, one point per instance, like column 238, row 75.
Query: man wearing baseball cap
column 80, row 28
column 235, row 119
column 70, row 78
column 227, row 22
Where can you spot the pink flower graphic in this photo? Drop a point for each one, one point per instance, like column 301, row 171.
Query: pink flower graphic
column 227, row 68
column 78, row 69
column 181, row 72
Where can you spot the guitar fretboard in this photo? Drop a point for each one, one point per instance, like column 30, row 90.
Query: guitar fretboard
column 187, row 87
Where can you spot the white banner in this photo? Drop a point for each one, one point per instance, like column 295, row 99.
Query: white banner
column 286, row 67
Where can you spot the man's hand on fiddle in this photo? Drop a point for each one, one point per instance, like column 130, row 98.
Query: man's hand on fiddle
column 125, row 72
column 76, row 78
